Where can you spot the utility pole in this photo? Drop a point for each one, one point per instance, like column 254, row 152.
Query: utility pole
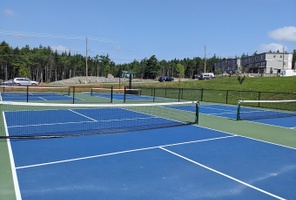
column 205, row 62
column 283, row 58
column 86, row 66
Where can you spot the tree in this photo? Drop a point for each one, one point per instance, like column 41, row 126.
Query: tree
column 180, row 71
column 24, row 71
column 106, row 71
column 5, row 60
column 240, row 81
column 152, row 68
column 45, row 64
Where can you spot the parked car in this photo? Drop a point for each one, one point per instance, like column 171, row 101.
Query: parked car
column 169, row 79
column 24, row 81
column 206, row 76
column 9, row 82
column 165, row 78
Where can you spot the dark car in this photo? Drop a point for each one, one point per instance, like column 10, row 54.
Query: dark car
column 169, row 79
column 165, row 78
column 162, row 79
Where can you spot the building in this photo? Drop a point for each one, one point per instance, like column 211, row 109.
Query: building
column 264, row 63
column 230, row 66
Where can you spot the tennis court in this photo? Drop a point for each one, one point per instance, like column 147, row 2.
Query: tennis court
column 124, row 95
column 35, row 97
column 36, row 94
column 120, row 97
column 259, row 115
column 173, row 160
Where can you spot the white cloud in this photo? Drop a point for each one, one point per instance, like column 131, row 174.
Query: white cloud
column 60, row 48
column 274, row 47
column 9, row 12
column 287, row 33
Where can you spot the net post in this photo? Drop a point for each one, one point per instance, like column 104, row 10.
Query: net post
column 153, row 94
column 238, row 117
column 91, row 91
column 197, row 113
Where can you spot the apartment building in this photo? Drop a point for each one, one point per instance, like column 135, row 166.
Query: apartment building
column 264, row 63
column 230, row 66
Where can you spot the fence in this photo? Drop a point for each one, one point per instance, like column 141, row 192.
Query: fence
column 82, row 94
column 217, row 96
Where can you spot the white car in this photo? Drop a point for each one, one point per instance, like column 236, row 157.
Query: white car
column 24, row 81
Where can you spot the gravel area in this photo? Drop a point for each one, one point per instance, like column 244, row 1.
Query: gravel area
column 95, row 79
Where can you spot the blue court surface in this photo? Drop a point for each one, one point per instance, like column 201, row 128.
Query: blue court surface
column 185, row 162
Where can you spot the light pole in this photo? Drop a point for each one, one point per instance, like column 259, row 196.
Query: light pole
column 205, row 62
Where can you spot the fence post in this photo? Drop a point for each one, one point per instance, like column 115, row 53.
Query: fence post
column 182, row 92
column 226, row 96
column 201, row 95
column 124, row 94
column 259, row 98
column 27, row 93
column 111, row 94
column 73, row 95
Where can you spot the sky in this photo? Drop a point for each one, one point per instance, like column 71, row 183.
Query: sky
column 129, row 30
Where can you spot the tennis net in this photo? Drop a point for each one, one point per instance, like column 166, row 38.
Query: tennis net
column 265, row 109
column 121, row 93
column 98, row 91
column 43, row 120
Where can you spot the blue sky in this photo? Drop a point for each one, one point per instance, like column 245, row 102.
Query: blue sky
column 130, row 30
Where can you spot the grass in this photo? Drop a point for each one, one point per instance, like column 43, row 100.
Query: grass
column 263, row 84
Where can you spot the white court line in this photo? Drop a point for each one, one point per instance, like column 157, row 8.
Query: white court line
column 222, row 174
column 42, row 98
column 80, row 114
column 12, row 164
column 121, row 152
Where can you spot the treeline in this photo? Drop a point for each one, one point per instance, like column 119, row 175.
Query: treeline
column 46, row 65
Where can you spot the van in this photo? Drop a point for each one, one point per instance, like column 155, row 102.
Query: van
column 206, row 76
column 24, row 81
